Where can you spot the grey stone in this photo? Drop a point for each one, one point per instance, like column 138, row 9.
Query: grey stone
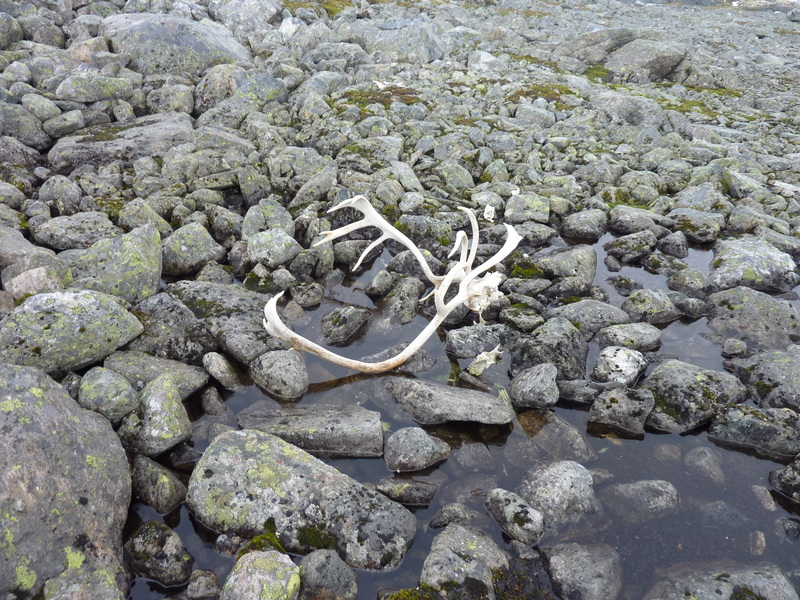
column 641, row 501
column 412, row 449
column 707, row 463
column 571, row 269
column 107, row 393
column 588, row 224
column 341, row 325
column 562, row 491
column 324, row 575
column 84, row 461
column 632, row 247
column 622, row 412
column 770, row 432
column 619, row 364
column 155, row 485
column 268, row 575
column 272, row 248
column 80, row 230
column 521, row 208
column 637, row 336
column 767, row 581
column 322, row 430
column 687, row 396
column 13, row 246
column 267, row 214
column 432, row 403
column 674, row 244
column 222, row 370
column 760, row 320
column 64, row 194
column 752, row 262
column 281, row 373
column 651, row 306
column 698, row 226
column 554, row 437
column 157, row 553
column 10, row 30
column 589, row 316
column 772, row 377
column 61, row 331
column 471, row 340
column 64, row 124
column 93, row 88
column 23, row 126
column 557, row 342
column 188, row 249
column 515, row 516
column 246, row 477
column 584, row 571
column 140, row 369
column 535, row 387
column 407, row 491
column 402, row 303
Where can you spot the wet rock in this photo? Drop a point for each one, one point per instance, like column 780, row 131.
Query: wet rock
column 160, row 422
column 572, row 270
column 674, row 244
column 562, row 491
column 632, row 247
column 651, row 306
column 724, row 581
column 407, row 491
column 432, row 403
column 402, row 303
column 618, row 364
column 641, row 500
column 85, row 462
column 553, row 436
column 420, row 362
column 584, row 571
column 203, row 585
column 722, row 515
column 787, row 481
column 535, row 387
column 269, row 575
column 325, row 576
column 128, row 266
column 589, row 316
column 223, row 371
column 321, row 430
column 751, row 262
column 107, row 393
column 469, row 341
column 140, row 368
column 515, row 516
column 557, row 342
column 341, row 325
column 773, row 433
column 188, row 249
column 706, row 462
column 80, row 230
column 155, row 485
column 691, row 282
column 412, row 449
column 156, row 552
column 636, row 336
column 65, row 330
column 247, row 477
column 151, row 135
column 687, row 396
column 281, row 373
column 462, row 556
column 622, row 412
column 754, row 317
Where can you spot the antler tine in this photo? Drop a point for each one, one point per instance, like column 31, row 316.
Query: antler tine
column 512, row 241
column 462, row 243
column 474, row 249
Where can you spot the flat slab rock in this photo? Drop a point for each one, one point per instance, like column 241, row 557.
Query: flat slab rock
column 247, row 477
column 340, row 431
column 433, row 404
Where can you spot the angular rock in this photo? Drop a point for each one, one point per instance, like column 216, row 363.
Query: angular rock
column 554, row 437
column 321, row 430
column 763, row 322
column 589, row 316
column 13, row 246
column 407, row 491
column 687, row 396
column 80, row 230
column 562, row 491
column 84, row 462
column 412, row 449
column 128, row 266
column 281, row 373
column 770, row 432
column 341, row 325
column 93, row 89
column 155, row 485
column 325, row 575
column 108, row 393
column 632, row 247
column 188, row 249
column 751, row 262
column 584, row 571
column 637, row 336
column 557, row 342
column 651, row 306
column 432, row 403
column 724, row 582
column 247, row 477
column 157, row 553
column 535, row 387
column 698, row 226
column 619, row 365
column 515, row 516
column 469, row 341
column 622, row 412
column 63, row 331
column 140, row 369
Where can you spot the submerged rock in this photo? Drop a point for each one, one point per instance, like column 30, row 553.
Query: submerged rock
column 515, row 516
column 588, row 572
column 622, row 412
column 725, row 582
column 640, row 501
column 770, row 432
column 412, row 449
column 562, row 491
column 247, row 477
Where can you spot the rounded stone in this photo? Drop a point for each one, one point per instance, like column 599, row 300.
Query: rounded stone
column 412, row 449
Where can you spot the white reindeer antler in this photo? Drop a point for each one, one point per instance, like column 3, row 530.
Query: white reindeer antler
column 473, row 290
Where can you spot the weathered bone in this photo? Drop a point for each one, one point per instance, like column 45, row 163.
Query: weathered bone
column 473, row 290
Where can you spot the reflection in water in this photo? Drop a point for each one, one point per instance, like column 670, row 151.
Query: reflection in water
column 734, row 519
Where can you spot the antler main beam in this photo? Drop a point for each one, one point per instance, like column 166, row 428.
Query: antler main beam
column 473, row 290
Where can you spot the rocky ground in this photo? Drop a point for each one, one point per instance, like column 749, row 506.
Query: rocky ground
column 166, row 166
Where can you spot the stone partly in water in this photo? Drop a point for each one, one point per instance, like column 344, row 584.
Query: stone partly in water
column 772, row 378
column 589, row 572
column 268, row 575
column 55, row 485
column 725, row 582
column 246, row 478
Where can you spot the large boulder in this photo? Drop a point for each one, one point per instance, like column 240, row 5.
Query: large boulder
column 64, row 490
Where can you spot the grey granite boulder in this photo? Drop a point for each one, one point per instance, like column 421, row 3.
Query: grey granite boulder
column 108, row 393
column 65, row 330
column 618, row 364
column 687, row 396
column 281, row 373
column 128, row 266
column 726, row 581
column 56, row 485
column 265, row 575
column 155, row 485
column 80, row 230
column 760, row 320
column 515, row 516
column 188, row 249
column 433, row 403
column 622, row 412
column 589, row 316
column 140, row 368
column 651, row 306
column 23, row 126
column 646, row 60
column 773, row 433
column 752, row 262
column 640, row 501
column 412, row 449
column 562, row 491
column 248, row 20
column 156, row 552
column 325, row 575
column 772, row 378
column 535, row 387
column 471, row 340
column 321, row 430
column 13, row 246
column 584, row 571
column 272, row 248
column 554, row 438
column 162, row 44
column 637, row 336
column 151, row 135
column 698, row 226
column 247, row 477
column 93, row 88
column 557, row 342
